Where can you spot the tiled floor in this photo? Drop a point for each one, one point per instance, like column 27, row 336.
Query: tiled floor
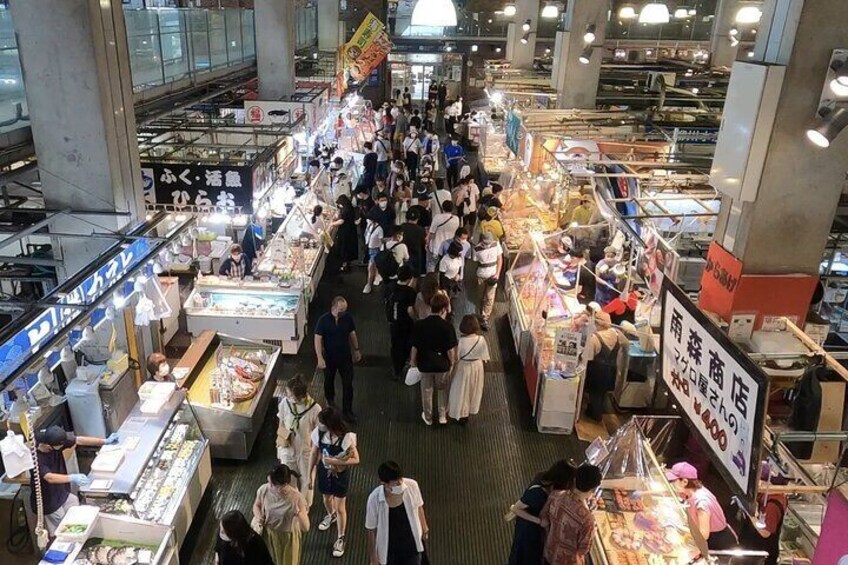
column 469, row 476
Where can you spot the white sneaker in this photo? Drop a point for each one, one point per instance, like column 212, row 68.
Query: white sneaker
column 377, row 280
column 367, row 289
column 327, row 522
column 443, row 419
column 426, row 420
column 338, row 547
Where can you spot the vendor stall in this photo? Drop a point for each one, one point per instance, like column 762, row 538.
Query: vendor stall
column 161, row 467
column 229, row 387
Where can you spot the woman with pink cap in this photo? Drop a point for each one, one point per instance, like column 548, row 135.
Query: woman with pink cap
column 703, row 508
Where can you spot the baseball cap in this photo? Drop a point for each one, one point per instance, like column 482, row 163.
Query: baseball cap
column 682, row 470
column 491, row 211
column 53, row 435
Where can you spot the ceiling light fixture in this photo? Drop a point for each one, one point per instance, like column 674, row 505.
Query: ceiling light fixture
column 525, row 40
column 586, row 55
column 681, row 14
column 692, row 11
column 510, row 10
column 474, row 48
column 498, row 49
column 550, row 11
column 627, row 13
column 733, row 32
column 733, row 41
column 828, row 126
column 589, row 36
column 841, row 70
column 434, row 13
column 748, row 15
column 526, row 25
column 654, row 13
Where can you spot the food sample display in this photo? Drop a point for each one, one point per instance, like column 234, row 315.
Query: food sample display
column 528, row 209
column 99, row 551
column 251, row 311
column 496, row 153
column 639, row 519
column 229, row 387
column 165, row 469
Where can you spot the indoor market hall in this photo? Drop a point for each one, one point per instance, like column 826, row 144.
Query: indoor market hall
column 423, row 282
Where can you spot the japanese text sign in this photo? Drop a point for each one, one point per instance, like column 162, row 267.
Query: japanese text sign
column 367, row 48
column 719, row 390
column 719, row 281
column 201, row 186
column 19, row 348
column 567, row 350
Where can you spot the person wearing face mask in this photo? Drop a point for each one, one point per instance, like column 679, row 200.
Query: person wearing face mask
column 453, row 155
column 334, row 453
column 395, row 519
column 238, row 544
column 280, row 512
column 382, row 214
column 237, row 265
column 298, row 417
column 397, row 173
column 412, row 152
column 159, row 369
column 346, row 246
column 383, row 149
column 53, row 475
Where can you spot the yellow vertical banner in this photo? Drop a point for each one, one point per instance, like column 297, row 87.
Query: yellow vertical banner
column 367, row 48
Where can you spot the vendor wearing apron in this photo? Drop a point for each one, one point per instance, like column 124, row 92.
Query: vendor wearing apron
column 762, row 533
column 601, row 356
column 705, row 513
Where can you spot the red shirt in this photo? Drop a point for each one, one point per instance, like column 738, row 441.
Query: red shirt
column 570, row 527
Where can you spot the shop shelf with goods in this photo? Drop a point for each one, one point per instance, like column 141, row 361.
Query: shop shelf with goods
column 161, row 466
column 230, row 387
column 116, row 539
column 529, row 205
column 639, row 518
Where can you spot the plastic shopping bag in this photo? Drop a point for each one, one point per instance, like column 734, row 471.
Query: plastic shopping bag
column 413, row 376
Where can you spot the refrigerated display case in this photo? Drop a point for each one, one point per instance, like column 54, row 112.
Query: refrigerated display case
column 229, row 386
column 640, row 520
column 254, row 310
column 158, row 471
column 526, row 282
column 117, row 539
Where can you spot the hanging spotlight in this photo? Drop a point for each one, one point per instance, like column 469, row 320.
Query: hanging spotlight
column 525, row 39
column 733, row 32
column 510, row 10
column 654, row 13
column 649, row 52
column 841, row 70
column 474, row 48
column 750, row 54
column 733, row 41
column 627, row 13
column 748, row 15
column 526, row 25
column 692, row 11
column 586, row 55
column 435, row 13
column 550, row 11
column 589, row 36
column 681, row 14
column 548, row 51
column 696, row 90
column 828, row 126
column 498, row 49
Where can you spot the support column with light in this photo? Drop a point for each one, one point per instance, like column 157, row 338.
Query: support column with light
column 780, row 190
column 521, row 34
column 275, row 47
column 577, row 54
column 724, row 40
column 79, row 94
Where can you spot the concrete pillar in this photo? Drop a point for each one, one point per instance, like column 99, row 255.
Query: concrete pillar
column 722, row 52
column 519, row 54
column 275, row 47
column 79, row 91
column 329, row 26
column 577, row 84
column 784, row 227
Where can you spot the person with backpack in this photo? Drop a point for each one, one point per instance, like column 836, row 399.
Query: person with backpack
column 489, row 256
column 389, row 259
column 443, row 228
column 433, row 353
column 400, row 312
column 298, row 415
column 450, row 269
column 382, row 213
column 374, row 241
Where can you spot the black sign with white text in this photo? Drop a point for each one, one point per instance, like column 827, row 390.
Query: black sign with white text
column 177, row 184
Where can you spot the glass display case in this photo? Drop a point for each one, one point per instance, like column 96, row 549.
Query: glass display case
column 496, row 153
column 639, row 518
column 529, row 206
column 247, row 309
column 160, row 468
column 229, row 387
column 526, row 282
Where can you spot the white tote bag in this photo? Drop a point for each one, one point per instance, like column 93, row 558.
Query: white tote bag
column 413, row 376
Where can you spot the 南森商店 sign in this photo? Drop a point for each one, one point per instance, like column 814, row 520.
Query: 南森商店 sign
column 716, row 387
column 200, row 186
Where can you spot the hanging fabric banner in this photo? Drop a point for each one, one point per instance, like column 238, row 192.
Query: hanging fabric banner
column 367, row 48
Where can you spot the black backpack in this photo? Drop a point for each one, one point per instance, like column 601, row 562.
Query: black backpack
column 385, row 261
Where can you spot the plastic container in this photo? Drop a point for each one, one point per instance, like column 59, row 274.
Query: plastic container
column 77, row 523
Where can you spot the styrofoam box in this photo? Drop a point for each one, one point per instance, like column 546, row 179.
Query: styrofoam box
column 86, row 515
column 554, row 419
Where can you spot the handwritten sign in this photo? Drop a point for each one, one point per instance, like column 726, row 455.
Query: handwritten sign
column 719, row 390
column 199, row 186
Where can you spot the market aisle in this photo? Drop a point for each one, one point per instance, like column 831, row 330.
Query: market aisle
column 469, row 476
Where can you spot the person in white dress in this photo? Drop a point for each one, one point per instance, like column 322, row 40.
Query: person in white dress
column 466, row 391
column 298, row 415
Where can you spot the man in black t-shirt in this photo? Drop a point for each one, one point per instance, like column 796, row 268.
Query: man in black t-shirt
column 434, row 353
column 56, row 494
column 414, row 236
column 337, row 349
column 400, row 309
